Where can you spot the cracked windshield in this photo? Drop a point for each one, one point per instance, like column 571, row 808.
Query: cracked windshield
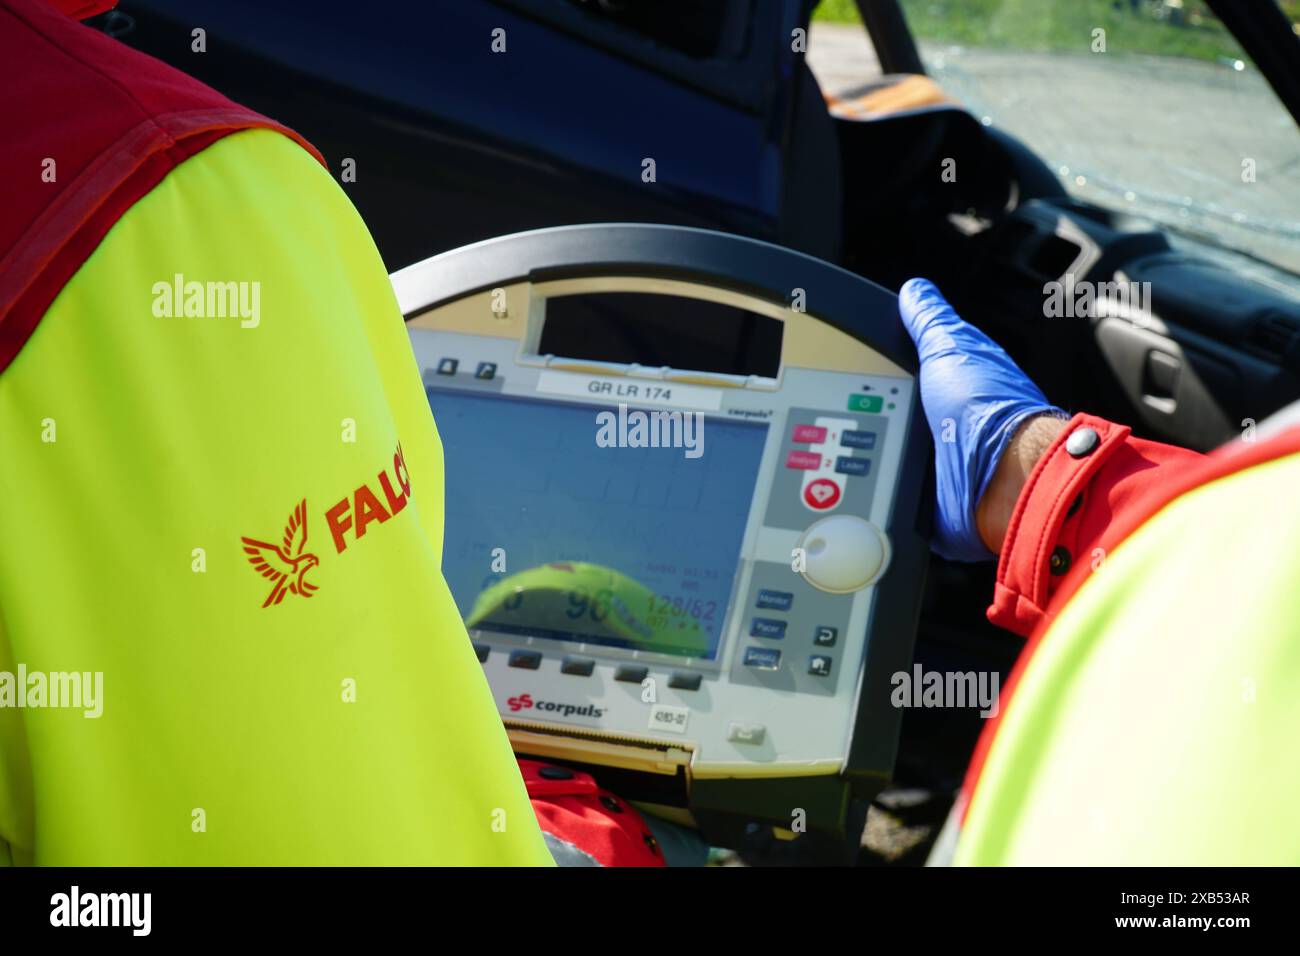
column 1147, row 108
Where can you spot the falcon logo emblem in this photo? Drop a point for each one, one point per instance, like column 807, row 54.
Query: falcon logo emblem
column 285, row 566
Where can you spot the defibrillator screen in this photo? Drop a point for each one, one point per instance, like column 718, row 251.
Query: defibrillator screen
column 560, row 525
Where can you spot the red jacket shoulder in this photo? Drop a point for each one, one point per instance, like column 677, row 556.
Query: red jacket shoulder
column 91, row 126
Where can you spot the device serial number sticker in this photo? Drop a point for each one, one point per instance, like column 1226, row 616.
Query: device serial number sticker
column 671, row 719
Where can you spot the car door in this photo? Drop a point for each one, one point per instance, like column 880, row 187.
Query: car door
column 466, row 119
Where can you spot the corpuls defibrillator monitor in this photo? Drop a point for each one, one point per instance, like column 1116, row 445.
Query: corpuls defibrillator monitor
column 683, row 479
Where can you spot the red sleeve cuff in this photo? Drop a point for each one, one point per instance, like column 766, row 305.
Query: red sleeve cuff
column 1032, row 552
column 1072, row 511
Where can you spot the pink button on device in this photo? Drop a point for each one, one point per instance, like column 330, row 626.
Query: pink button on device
column 803, row 460
column 814, row 434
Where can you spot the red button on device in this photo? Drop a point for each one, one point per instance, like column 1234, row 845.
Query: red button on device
column 804, row 460
column 822, row 494
column 810, row 433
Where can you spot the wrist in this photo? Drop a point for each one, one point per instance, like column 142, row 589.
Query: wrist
column 1028, row 443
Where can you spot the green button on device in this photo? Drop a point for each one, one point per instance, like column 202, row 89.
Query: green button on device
column 865, row 403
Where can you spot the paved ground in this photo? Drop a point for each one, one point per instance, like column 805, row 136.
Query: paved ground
column 841, row 56
column 1160, row 137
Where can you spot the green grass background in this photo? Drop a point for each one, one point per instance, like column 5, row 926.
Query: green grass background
column 1063, row 25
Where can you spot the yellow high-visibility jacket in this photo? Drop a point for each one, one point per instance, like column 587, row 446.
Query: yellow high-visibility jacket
column 225, row 637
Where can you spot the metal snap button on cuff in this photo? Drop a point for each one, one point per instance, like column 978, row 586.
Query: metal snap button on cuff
column 1082, row 441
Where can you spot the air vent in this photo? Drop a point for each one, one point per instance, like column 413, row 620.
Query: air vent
column 1275, row 334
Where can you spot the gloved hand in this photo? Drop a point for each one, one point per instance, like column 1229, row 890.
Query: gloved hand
column 974, row 397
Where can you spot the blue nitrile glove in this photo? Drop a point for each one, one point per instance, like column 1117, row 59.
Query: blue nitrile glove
column 974, row 398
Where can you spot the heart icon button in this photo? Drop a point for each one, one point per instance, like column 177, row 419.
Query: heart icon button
column 822, row 494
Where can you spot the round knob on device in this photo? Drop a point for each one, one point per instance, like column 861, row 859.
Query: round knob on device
column 843, row 553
